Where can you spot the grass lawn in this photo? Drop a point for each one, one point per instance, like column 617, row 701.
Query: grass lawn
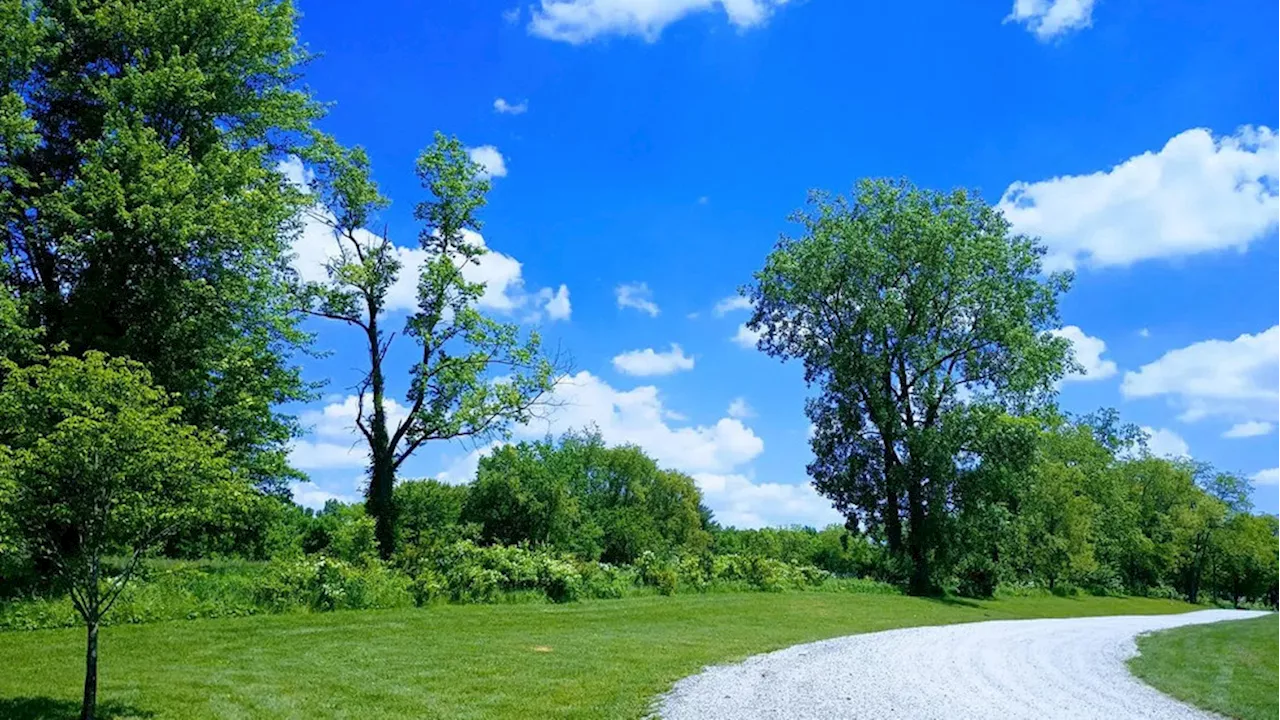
column 602, row 659
column 1229, row 668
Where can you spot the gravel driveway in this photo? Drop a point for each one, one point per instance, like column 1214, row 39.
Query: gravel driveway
column 1070, row 668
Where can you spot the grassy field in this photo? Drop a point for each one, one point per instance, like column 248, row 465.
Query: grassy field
column 1229, row 668
column 603, row 659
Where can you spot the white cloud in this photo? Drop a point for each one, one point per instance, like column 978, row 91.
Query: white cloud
column 511, row 16
column 334, row 441
column 578, row 21
column 1266, row 477
column 491, row 162
column 1197, row 194
column 730, row 304
column 1088, row 352
column 502, row 107
column 740, row 409
column 555, row 304
column 713, row 455
column 746, row 337
column 310, row 495
column 501, row 274
column 1144, row 333
column 739, row 502
column 337, row 419
column 324, row 455
column 638, row 416
column 648, row 362
column 1165, row 443
column 1048, row 19
column 462, row 470
column 1233, row 379
column 1253, row 428
column 637, row 296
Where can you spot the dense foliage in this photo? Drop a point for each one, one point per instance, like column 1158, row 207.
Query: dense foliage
column 899, row 302
column 143, row 213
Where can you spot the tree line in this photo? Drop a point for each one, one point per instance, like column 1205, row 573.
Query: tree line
column 151, row 325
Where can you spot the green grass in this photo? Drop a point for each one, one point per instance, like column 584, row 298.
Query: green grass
column 601, row 659
column 1229, row 668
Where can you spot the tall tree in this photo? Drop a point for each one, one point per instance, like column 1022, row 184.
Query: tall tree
column 141, row 210
column 96, row 463
column 473, row 377
column 898, row 300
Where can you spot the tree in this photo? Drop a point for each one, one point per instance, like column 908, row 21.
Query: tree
column 580, row 496
column 1247, row 559
column 898, row 300
column 98, row 464
column 452, row 392
column 142, row 210
column 427, row 512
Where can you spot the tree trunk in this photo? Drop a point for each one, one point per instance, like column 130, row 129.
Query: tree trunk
column 382, row 456
column 892, row 508
column 90, row 705
column 917, row 539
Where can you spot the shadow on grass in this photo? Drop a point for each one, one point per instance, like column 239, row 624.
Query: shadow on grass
column 47, row 708
column 953, row 601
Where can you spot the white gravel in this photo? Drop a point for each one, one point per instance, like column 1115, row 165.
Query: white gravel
column 1070, row 668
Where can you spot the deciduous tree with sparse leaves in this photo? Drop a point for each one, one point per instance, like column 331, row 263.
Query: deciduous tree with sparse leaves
column 473, row 377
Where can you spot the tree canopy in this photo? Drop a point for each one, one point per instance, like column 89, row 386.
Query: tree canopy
column 144, row 214
column 95, row 463
column 910, row 310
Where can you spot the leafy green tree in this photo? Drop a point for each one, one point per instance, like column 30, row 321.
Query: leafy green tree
column 98, row 464
column 453, row 392
column 1246, row 563
column 580, row 496
column 143, row 213
column 1059, row 516
column 427, row 512
column 899, row 301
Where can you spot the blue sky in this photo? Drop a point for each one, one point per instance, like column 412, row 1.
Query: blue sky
column 646, row 153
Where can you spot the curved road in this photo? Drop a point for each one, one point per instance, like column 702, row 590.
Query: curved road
column 1069, row 668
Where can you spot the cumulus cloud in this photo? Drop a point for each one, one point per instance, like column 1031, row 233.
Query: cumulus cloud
column 647, row 362
column 501, row 274
column 738, row 501
column 1088, row 353
column 1253, row 428
column 730, row 304
column 1048, row 19
column 638, row 416
column 746, row 337
column 334, row 441
column 462, row 470
column 1165, row 443
column 638, row 297
column 326, row 455
column 740, row 409
column 579, row 21
column 310, row 495
column 502, row 107
column 1266, row 477
column 491, row 162
column 1197, row 194
column 555, row 304
column 1231, row 379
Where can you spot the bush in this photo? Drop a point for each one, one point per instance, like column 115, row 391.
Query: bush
column 460, row 572
column 976, row 577
column 324, row 583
